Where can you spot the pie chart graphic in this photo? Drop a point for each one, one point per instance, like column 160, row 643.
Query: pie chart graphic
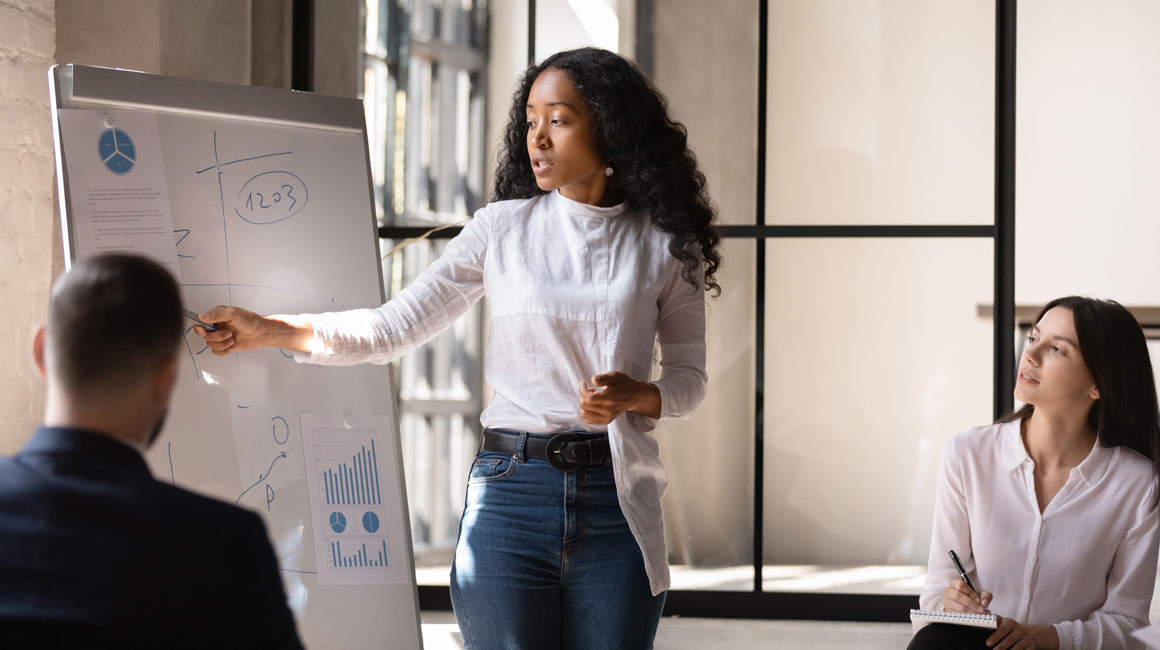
column 118, row 154
column 337, row 522
column 371, row 522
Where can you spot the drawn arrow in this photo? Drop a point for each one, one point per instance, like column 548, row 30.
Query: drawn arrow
column 261, row 477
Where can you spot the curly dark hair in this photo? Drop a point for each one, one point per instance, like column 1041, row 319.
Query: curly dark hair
column 636, row 136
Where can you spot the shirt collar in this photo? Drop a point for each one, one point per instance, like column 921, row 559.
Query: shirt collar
column 583, row 209
column 1014, row 454
column 1096, row 463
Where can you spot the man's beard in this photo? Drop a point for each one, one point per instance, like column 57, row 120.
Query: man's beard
column 157, row 429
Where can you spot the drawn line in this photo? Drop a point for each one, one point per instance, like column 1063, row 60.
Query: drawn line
column 225, row 235
column 192, row 360
column 261, row 477
column 243, row 407
column 188, row 257
column 171, row 477
column 225, row 230
column 203, row 349
column 283, row 153
column 295, row 570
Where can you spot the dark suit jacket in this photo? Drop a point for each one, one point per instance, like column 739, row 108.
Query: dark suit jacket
column 96, row 553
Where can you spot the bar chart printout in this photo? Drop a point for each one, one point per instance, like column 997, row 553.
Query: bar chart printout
column 353, row 530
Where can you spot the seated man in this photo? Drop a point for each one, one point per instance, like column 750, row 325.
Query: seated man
column 94, row 552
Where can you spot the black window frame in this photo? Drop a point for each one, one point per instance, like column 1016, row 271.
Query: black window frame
column 757, row 603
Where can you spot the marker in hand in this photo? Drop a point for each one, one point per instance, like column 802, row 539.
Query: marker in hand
column 193, row 316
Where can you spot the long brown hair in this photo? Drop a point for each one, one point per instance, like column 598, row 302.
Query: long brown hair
column 1116, row 355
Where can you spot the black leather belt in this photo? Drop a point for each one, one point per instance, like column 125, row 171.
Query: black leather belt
column 567, row 451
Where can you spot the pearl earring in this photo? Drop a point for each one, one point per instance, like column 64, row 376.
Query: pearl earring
column 608, row 171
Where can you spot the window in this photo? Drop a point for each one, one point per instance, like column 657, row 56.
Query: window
column 818, row 371
column 424, row 64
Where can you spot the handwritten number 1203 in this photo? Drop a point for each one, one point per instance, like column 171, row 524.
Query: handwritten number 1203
column 271, row 197
column 277, row 198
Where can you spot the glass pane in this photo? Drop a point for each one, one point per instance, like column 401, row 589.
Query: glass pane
column 444, row 164
column 440, row 396
column 377, row 91
column 708, row 508
column 1086, row 137
column 881, row 112
column 872, row 364
column 425, row 133
column 712, row 90
column 450, row 21
column 567, row 24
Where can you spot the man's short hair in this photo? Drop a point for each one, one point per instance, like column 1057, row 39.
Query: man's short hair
column 112, row 320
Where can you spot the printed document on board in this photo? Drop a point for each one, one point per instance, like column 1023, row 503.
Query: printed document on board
column 116, row 183
column 354, row 498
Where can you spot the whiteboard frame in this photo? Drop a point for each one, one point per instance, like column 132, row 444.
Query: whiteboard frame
column 74, row 86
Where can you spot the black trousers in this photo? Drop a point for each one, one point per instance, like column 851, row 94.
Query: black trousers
column 944, row 636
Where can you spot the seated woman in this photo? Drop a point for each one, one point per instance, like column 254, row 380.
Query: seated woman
column 1053, row 509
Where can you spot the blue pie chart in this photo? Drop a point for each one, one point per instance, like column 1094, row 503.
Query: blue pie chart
column 118, row 154
column 337, row 522
column 371, row 522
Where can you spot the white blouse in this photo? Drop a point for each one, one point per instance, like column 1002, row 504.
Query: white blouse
column 1086, row 565
column 573, row 290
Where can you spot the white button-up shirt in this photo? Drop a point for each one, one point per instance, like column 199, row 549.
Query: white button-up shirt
column 1087, row 564
column 573, row 290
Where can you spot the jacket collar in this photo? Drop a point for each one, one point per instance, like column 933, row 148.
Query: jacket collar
column 88, row 445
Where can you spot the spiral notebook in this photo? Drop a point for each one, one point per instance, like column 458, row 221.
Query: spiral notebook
column 920, row 618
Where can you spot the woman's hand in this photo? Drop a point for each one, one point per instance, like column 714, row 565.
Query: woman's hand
column 1013, row 635
column 958, row 597
column 240, row 329
column 614, row 393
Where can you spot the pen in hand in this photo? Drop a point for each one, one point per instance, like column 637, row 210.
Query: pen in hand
column 959, row 567
column 983, row 598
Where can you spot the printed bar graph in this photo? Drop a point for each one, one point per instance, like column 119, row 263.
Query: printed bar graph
column 357, row 555
column 353, row 482
column 355, row 531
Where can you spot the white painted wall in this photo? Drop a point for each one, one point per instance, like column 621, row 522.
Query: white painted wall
column 1087, row 136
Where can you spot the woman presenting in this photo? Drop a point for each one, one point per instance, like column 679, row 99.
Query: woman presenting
column 1053, row 510
column 599, row 243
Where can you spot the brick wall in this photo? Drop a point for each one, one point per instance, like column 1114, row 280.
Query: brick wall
column 27, row 222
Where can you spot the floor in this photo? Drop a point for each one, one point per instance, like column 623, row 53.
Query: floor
column 441, row 633
column 903, row 580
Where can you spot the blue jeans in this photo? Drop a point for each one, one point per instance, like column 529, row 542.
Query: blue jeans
column 546, row 560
